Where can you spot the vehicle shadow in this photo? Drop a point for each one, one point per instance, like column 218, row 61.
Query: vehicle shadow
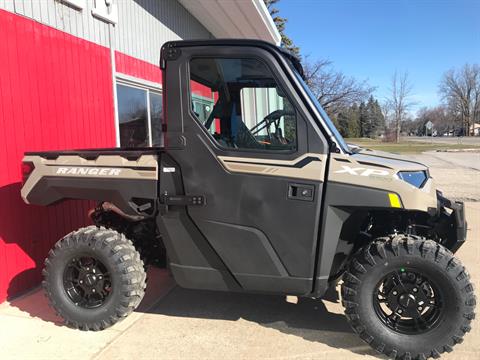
column 27, row 232
column 309, row 318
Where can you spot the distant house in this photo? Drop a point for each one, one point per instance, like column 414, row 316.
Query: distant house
column 475, row 129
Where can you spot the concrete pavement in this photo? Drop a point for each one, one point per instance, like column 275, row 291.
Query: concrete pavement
column 29, row 328
column 457, row 174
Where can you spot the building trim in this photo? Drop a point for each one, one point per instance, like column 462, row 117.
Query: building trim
column 111, row 34
column 137, row 82
column 246, row 19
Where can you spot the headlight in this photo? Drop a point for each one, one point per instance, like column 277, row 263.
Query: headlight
column 415, row 178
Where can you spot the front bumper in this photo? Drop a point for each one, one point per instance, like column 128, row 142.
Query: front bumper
column 452, row 222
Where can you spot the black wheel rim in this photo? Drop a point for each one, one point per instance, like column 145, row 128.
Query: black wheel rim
column 87, row 282
column 408, row 302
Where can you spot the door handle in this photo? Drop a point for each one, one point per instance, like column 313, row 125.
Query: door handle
column 303, row 192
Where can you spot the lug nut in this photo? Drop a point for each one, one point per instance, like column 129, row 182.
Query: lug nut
column 400, row 311
column 81, row 281
column 93, row 290
column 420, row 308
column 415, row 289
column 394, row 292
column 100, row 277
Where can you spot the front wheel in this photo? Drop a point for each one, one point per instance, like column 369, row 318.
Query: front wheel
column 93, row 278
column 407, row 297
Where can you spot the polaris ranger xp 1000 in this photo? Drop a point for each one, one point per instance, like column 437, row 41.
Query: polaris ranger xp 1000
column 254, row 190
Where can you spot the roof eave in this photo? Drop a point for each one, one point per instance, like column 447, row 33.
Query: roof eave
column 248, row 19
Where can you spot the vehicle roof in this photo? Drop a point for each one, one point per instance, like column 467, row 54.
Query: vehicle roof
column 295, row 61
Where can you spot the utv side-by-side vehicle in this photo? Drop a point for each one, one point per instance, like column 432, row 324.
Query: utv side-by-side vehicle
column 258, row 193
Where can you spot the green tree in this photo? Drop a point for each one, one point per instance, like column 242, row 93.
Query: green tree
column 348, row 122
column 370, row 121
column 343, row 120
column 280, row 23
column 374, row 122
column 363, row 119
column 354, row 121
column 379, row 119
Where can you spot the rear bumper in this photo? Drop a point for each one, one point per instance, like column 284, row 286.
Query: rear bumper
column 453, row 222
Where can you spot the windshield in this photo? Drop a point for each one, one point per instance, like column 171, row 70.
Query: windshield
column 340, row 141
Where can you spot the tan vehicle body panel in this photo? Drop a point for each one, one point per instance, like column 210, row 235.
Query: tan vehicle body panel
column 78, row 168
column 367, row 169
column 314, row 170
column 382, row 175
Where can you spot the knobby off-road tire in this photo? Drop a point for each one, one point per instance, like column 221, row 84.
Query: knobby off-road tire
column 118, row 266
column 433, row 262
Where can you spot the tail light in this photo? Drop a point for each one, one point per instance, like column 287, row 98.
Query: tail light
column 27, row 169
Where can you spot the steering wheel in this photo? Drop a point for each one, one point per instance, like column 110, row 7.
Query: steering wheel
column 273, row 118
column 277, row 114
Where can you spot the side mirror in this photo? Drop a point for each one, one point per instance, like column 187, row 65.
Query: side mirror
column 334, row 148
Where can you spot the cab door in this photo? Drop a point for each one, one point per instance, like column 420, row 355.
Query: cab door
column 258, row 162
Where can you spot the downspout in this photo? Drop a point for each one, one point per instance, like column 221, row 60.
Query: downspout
column 111, row 35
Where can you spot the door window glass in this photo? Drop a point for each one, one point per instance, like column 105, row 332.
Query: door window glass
column 202, row 107
column 248, row 108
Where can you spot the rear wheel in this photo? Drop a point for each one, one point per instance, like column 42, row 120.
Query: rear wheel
column 93, row 278
column 409, row 298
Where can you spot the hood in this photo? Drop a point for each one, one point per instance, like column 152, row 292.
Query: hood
column 388, row 160
column 386, row 174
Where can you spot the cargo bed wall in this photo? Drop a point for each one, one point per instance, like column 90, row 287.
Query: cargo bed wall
column 121, row 178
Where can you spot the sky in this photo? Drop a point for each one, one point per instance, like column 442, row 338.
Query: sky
column 371, row 39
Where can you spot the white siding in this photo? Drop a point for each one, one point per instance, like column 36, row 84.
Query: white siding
column 7, row 5
column 62, row 17
column 258, row 103
column 145, row 25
